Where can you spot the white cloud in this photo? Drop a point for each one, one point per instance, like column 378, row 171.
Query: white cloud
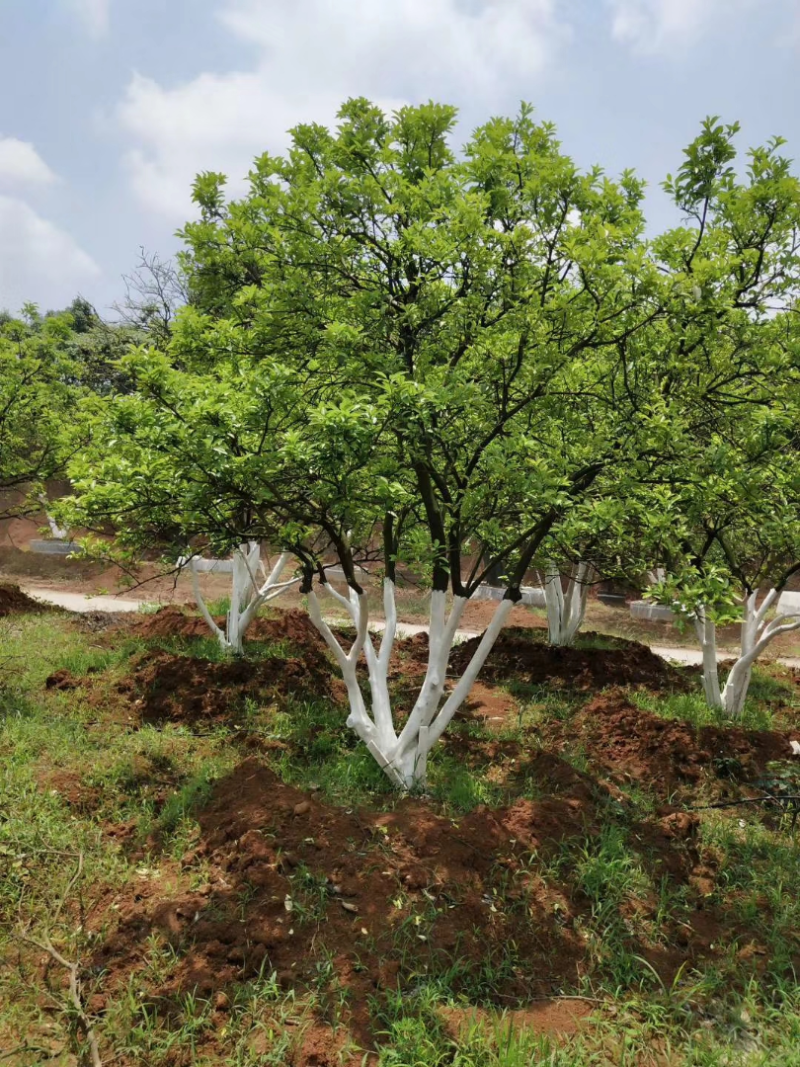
column 94, row 14
column 38, row 260
column 21, row 164
column 669, row 25
column 313, row 54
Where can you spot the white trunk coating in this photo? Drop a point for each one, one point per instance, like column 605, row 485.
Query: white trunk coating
column 706, row 631
column 246, row 594
column 58, row 532
column 403, row 757
column 565, row 612
column 757, row 633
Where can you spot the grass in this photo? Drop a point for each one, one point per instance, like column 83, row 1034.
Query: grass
column 768, row 693
column 739, row 1007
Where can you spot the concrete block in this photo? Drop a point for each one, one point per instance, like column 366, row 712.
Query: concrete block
column 649, row 612
column 212, row 566
column 531, row 594
column 789, row 603
column 54, row 548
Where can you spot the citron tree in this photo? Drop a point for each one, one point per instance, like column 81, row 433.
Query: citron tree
column 399, row 354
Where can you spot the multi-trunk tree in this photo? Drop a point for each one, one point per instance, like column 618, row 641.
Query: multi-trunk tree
column 251, row 588
column 733, row 545
column 395, row 352
column 731, row 356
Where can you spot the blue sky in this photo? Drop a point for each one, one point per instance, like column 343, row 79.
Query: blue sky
column 109, row 107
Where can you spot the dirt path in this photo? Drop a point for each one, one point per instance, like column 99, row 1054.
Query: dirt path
column 80, row 603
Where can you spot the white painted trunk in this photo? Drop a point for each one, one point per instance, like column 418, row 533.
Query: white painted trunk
column 58, row 532
column 246, row 594
column 565, row 611
column 706, row 631
column 757, row 633
column 403, row 756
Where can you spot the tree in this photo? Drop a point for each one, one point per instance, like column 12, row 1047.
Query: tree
column 154, row 292
column 95, row 349
column 248, row 595
column 395, row 353
column 731, row 341
column 734, row 538
column 36, row 436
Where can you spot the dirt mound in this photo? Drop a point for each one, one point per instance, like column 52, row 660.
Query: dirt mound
column 294, row 884
column 172, row 622
column 14, row 602
column 519, row 655
column 632, row 744
column 293, row 626
column 72, row 790
column 183, row 689
column 353, row 886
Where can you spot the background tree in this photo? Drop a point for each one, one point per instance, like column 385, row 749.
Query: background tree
column 36, row 434
column 154, row 292
column 729, row 348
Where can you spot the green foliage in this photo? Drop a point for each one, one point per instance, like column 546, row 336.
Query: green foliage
column 35, row 436
column 383, row 334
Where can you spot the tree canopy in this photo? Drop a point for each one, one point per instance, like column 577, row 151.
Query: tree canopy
column 448, row 363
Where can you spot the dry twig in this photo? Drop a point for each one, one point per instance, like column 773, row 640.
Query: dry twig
column 73, row 969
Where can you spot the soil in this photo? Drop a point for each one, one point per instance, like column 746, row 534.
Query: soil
column 83, row 798
column 292, row 882
column 14, row 602
column 355, row 885
column 518, row 655
column 549, row 1016
column 479, row 613
column 181, row 689
column 294, row 626
column 63, row 680
column 280, row 879
column 630, row 744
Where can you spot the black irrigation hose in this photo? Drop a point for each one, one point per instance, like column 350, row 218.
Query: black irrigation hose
column 747, row 800
column 789, row 803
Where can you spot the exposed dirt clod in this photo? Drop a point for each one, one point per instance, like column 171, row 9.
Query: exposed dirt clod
column 63, row 680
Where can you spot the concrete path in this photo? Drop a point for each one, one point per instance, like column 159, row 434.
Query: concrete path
column 81, row 603
column 694, row 657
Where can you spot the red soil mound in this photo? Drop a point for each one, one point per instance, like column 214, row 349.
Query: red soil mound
column 384, row 896
column 172, row 622
column 72, row 789
column 517, row 654
column 14, row 602
column 183, row 689
column 632, row 744
column 293, row 626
